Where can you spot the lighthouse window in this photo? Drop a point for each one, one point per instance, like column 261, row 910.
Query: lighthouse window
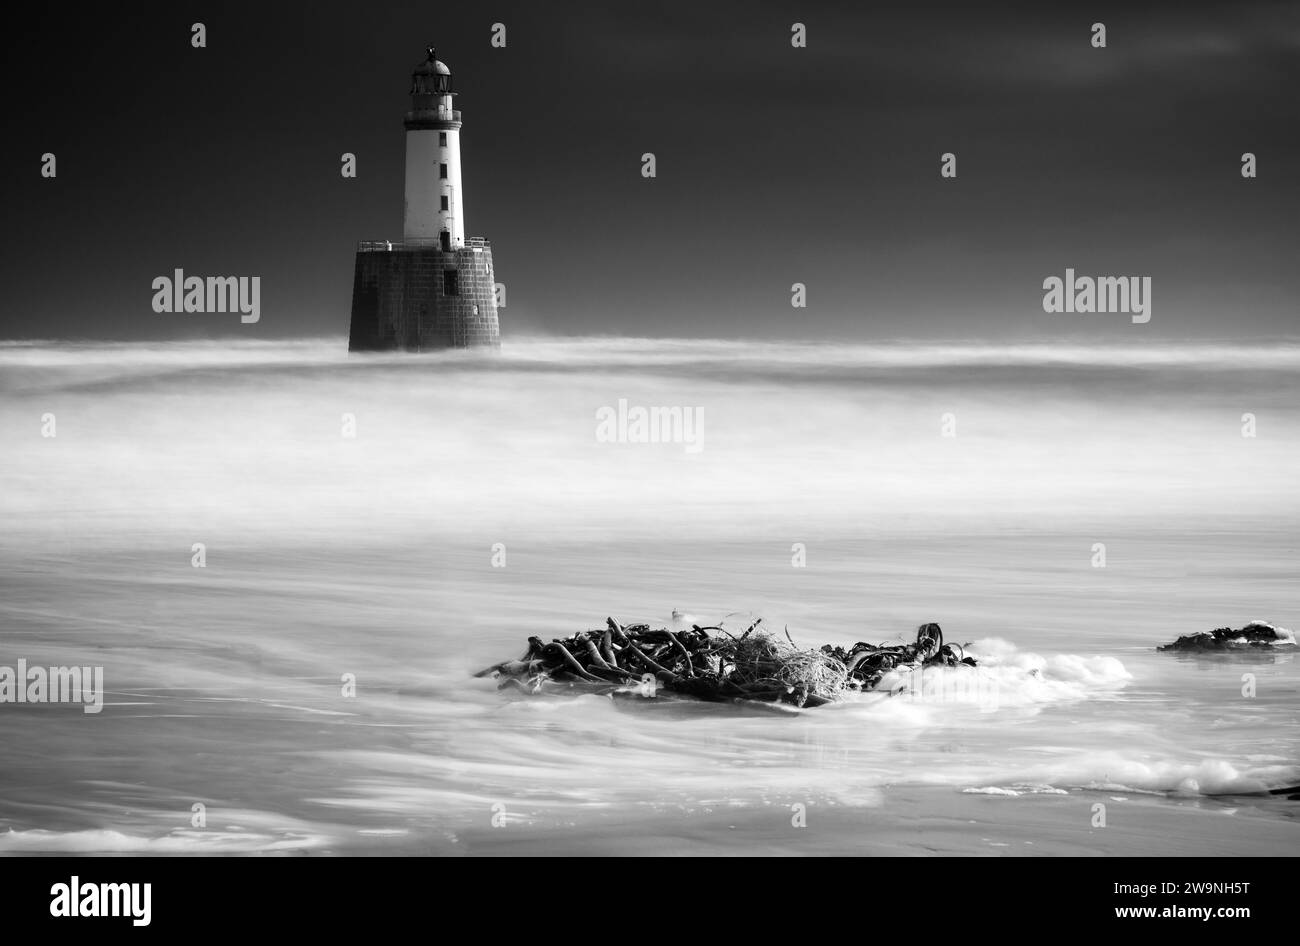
column 442, row 139
column 442, row 171
column 444, row 202
column 450, row 282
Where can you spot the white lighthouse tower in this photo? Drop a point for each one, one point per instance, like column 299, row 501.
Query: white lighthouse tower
column 435, row 208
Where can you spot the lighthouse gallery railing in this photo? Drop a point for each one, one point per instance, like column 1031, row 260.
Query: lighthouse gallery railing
column 389, row 246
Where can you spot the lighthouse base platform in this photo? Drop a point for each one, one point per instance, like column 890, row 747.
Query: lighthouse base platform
column 421, row 297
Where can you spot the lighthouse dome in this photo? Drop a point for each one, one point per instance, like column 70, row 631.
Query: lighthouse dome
column 432, row 67
column 431, row 78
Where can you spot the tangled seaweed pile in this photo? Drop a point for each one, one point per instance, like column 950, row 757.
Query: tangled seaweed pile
column 718, row 666
column 1254, row 634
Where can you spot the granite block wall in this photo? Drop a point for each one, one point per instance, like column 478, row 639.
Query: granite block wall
column 404, row 299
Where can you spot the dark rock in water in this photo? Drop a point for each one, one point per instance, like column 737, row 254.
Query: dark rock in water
column 1254, row 634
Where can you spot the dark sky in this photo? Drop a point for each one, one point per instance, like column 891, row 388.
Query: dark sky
column 775, row 164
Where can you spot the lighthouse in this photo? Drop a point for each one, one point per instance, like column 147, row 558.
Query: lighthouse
column 435, row 208
column 436, row 288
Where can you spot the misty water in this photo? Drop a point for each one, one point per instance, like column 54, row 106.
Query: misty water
column 407, row 520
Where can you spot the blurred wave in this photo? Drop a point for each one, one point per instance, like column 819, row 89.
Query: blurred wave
column 250, row 437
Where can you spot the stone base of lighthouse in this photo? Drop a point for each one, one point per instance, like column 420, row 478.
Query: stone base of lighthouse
column 417, row 297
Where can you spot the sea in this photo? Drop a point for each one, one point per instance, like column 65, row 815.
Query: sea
column 289, row 563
